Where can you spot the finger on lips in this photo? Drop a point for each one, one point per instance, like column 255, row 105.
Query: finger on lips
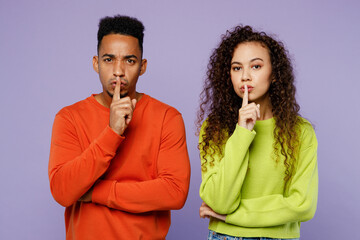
column 246, row 97
column 117, row 89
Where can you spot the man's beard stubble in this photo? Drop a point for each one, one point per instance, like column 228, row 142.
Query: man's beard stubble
column 121, row 95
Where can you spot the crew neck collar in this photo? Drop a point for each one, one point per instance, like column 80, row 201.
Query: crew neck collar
column 100, row 106
column 265, row 123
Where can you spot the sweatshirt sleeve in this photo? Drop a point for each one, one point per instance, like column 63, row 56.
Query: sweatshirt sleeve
column 168, row 190
column 221, row 184
column 73, row 170
column 298, row 206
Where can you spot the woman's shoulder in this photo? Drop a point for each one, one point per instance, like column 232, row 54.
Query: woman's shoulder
column 212, row 127
column 307, row 132
column 305, row 124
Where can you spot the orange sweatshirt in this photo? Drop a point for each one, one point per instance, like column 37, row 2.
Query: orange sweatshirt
column 136, row 178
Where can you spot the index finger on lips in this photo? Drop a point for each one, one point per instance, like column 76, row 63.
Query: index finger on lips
column 246, row 97
column 116, row 95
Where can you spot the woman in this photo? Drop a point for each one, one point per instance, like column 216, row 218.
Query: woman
column 258, row 156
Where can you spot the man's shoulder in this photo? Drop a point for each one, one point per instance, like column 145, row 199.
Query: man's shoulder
column 158, row 105
column 162, row 115
column 77, row 106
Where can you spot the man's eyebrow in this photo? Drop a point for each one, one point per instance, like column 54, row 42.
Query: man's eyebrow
column 130, row 56
column 108, row 55
column 113, row 56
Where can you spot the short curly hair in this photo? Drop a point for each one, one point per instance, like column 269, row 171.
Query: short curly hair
column 220, row 105
column 123, row 25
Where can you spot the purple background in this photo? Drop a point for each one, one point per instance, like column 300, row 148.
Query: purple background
column 46, row 50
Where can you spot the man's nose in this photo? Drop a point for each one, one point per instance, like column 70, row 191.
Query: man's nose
column 119, row 69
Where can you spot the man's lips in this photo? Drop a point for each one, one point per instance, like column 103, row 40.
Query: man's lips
column 122, row 84
column 250, row 88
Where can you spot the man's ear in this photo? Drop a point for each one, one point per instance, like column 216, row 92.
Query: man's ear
column 143, row 66
column 96, row 63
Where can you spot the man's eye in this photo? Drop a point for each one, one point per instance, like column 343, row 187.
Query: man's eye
column 131, row 61
column 107, row 60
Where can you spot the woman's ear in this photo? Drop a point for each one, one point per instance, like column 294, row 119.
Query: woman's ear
column 273, row 79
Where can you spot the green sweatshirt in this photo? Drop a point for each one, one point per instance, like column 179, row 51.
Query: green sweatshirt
column 247, row 184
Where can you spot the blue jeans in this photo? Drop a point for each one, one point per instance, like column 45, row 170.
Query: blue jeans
column 218, row 236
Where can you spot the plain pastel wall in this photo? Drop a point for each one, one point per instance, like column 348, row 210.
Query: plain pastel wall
column 46, row 49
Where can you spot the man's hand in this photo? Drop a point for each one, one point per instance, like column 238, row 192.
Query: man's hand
column 248, row 113
column 121, row 111
column 87, row 197
column 206, row 212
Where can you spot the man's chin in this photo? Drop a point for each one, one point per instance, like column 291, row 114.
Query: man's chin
column 121, row 95
column 110, row 94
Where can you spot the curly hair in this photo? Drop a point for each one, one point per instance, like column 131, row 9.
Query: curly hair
column 122, row 25
column 220, row 103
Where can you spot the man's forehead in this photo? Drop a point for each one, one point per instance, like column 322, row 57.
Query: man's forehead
column 118, row 44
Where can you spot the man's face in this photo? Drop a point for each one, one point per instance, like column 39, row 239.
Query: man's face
column 119, row 58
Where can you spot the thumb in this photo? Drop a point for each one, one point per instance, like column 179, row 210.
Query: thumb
column 133, row 102
column 129, row 117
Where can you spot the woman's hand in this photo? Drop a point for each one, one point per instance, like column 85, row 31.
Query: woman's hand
column 206, row 212
column 248, row 113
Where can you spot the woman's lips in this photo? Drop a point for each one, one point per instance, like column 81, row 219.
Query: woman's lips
column 250, row 88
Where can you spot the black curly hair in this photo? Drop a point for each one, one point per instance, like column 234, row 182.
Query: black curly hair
column 122, row 25
column 220, row 104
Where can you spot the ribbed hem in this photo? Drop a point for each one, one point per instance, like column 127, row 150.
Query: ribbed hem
column 290, row 230
column 109, row 140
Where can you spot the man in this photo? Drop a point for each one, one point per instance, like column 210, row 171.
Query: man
column 118, row 159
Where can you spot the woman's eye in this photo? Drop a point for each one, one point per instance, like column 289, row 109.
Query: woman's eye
column 236, row 68
column 256, row 67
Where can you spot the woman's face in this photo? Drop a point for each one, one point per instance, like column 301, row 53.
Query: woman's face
column 251, row 66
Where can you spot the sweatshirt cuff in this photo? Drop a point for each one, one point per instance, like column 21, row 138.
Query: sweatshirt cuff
column 109, row 140
column 101, row 192
column 242, row 135
column 243, row 130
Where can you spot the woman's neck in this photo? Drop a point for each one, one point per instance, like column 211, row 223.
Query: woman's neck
column 265, row 109
column 265, row 113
